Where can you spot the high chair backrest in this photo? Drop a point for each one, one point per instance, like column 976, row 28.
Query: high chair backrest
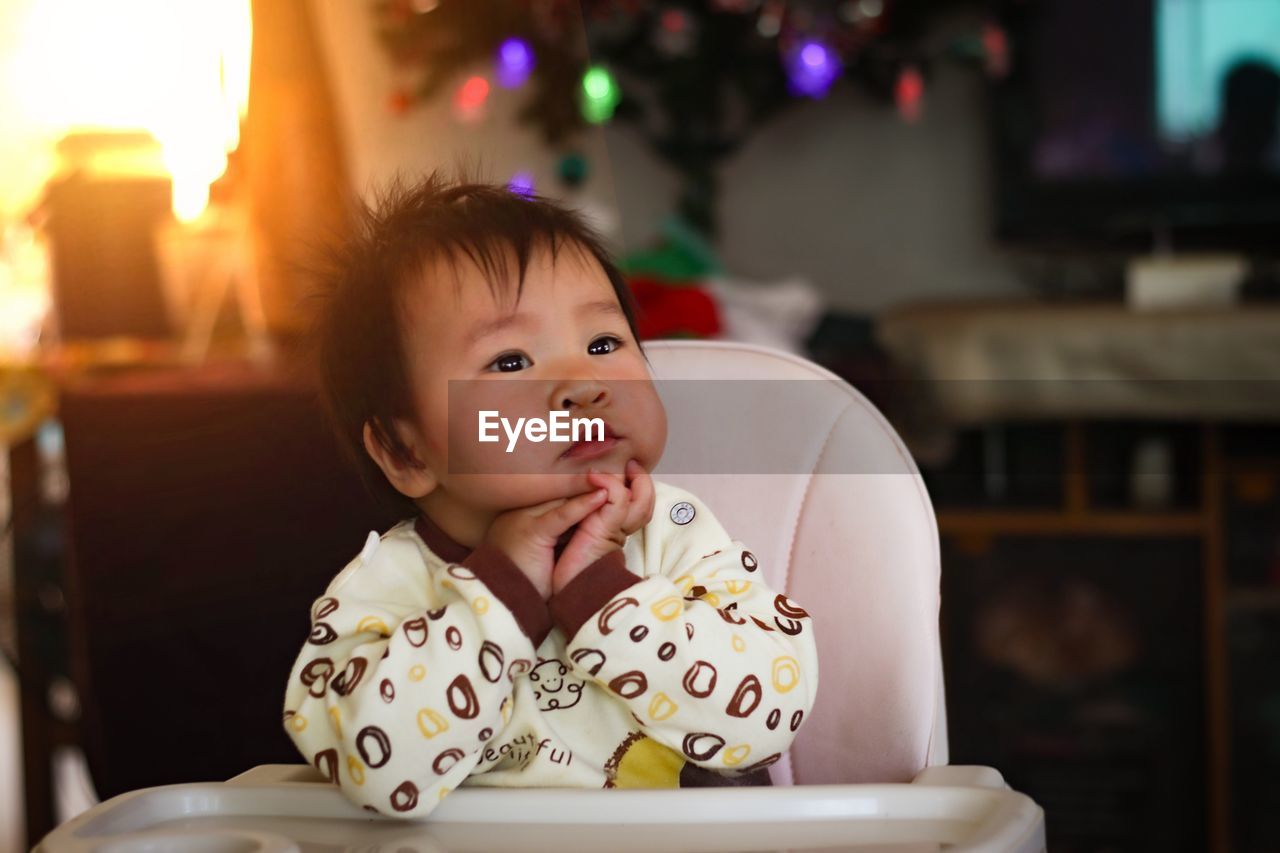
column 803, row 470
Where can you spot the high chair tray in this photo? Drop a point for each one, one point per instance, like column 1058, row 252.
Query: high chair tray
column 263, row 812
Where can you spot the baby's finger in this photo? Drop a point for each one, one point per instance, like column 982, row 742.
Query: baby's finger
column 637, row 476
column 642, row 500
column 612, row 483
column 539, row 510
column 569, row 513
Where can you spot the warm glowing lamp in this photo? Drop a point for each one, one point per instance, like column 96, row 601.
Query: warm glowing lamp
column 178, row 71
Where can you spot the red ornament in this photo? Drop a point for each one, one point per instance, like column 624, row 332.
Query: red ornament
column 673, row 310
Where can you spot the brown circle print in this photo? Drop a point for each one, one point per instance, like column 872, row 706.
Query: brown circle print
column 322, row 634
column 415, row 631
column 444, row 761
column 374, row 746
column 589, row 659
column 701, row 746
column 786, row 608
column 630, row 684
column 405, row 797
column 518, row 667
column 350, row 676
column 327, row 763
column 462, row 573
column 746, row 698
column 491, row 661
column 462, row 698
column 315, row 676
column 611, row 611
column 700, row 680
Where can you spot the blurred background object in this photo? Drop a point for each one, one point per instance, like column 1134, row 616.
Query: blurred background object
column 1041, row 235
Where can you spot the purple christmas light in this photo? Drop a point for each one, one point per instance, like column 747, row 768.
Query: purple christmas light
column 521, row 183
column 811, row 69
column 514, row 62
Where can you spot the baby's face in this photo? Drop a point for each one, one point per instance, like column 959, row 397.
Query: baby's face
column 565, row 346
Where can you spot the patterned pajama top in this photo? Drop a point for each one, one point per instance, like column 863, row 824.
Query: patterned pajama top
column 667, row 664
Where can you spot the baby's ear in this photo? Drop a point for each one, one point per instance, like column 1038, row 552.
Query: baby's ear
column 411, row 477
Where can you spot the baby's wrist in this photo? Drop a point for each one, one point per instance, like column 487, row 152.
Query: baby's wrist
column 566, row 576
column 526, row 563
column 600, row 581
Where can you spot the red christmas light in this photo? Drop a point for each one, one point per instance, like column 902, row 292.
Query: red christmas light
column 909, row 93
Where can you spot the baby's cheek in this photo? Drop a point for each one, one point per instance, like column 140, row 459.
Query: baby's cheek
column 653, row 437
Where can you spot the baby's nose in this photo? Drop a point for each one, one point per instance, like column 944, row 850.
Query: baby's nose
column 582, row 394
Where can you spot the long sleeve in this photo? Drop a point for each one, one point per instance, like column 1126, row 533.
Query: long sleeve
column 408, row 671
column 712, row 663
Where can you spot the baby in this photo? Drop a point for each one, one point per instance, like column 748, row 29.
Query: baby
column 549, row 616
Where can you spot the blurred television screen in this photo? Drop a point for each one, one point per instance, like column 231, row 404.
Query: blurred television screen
column 1133, row 121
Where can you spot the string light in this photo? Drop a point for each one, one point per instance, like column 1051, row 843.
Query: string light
column 514, row 63
column 909, row 93
column 600, row 95
column 812, row 45
column 521, row 183
column 811, row 68
column 469, row 101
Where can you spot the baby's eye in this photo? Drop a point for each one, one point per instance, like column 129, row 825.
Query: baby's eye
column 604, row 344
column 510, row 362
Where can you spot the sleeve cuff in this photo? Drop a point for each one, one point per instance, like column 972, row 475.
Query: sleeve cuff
column 510, row 586
column 590, row 591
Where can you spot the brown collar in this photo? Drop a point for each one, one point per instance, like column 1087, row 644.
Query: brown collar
column 440, row 543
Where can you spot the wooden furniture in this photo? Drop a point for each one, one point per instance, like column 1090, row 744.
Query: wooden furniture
column 159, row 520
column 1086, row 372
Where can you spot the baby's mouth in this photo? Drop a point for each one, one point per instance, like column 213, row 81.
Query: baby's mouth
column 592, row 449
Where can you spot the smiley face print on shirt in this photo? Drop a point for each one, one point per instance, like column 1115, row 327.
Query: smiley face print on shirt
column 554, row 686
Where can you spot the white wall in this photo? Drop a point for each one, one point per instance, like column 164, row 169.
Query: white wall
column 872, row 210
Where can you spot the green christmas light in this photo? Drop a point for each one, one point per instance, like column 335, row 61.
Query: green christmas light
column 600, row 95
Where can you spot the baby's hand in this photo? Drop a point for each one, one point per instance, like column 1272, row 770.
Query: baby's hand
column 528, row 535
column 628, row 508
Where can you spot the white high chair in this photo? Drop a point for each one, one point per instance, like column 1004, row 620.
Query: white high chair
column 839, row 518
column 801, row 468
